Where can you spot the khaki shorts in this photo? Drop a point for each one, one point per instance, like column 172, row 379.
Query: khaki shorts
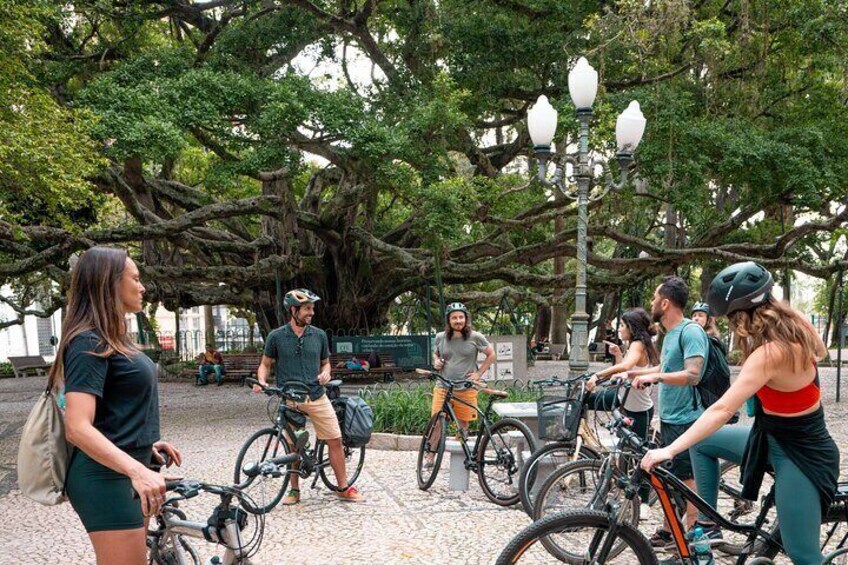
column 323, row 416
column 463, row 412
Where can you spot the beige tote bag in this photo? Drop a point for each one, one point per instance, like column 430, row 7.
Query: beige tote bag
column 43, row 453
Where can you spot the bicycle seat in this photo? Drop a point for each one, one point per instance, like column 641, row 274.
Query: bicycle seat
column 295, row 390
column 841, row 493
column 335, row 383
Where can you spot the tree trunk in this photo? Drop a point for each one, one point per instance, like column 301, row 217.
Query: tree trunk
column 209, row 326
column 177, row 340
column 543, row 322
column 559, row 316
column 670, row 232
column 608, row 313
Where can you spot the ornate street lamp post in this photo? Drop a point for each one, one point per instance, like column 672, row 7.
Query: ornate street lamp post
column 542, row 122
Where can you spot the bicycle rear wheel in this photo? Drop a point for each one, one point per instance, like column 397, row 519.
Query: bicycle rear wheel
column 431, row 451
column 587, row 532
column 500, row 457
column 265, row 491
column 354, row 459
column 543, row 461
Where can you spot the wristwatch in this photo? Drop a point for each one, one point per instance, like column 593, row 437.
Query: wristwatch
column 659, row 378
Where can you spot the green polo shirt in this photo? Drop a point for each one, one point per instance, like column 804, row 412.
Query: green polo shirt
column 303, row 363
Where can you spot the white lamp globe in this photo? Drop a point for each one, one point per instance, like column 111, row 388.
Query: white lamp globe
column 542, row 122
column 629, row 128
column 583, row 84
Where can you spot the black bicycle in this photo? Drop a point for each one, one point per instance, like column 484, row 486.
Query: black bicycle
column 605, row 536
column 288, row 435
column 498, row 452
column 594, row 483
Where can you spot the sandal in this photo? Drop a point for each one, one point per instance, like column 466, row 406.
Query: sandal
column 292, row 498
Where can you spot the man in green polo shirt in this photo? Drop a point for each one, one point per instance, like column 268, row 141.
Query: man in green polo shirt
column 300, row 352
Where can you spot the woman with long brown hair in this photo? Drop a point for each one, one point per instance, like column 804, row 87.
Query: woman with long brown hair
column 637, row 331
column 780, row 350
column 112, row 409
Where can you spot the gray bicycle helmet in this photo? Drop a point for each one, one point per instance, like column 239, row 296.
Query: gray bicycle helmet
column 702, row 307
column 298, row 297
column 456, row 307
column 742, row 286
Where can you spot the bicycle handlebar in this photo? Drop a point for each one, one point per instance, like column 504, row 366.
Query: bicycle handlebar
column 283, row 391
column 556, row 381
column 432, row 375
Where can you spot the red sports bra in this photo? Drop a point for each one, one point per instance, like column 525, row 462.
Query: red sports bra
column 781, row 402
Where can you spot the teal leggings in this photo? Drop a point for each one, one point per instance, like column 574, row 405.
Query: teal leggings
column 797, row 500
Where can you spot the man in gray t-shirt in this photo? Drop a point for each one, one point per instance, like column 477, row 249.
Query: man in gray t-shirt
column 455, row 357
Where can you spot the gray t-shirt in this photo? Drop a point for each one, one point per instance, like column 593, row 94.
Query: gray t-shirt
column 459, row 355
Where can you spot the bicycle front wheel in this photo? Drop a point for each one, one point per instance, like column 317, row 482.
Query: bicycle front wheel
column 354, row 459
column 542, row 463
column 431, row 451
column 589, row 536
column 584, row 484
column 265, row 492
column 500, row 457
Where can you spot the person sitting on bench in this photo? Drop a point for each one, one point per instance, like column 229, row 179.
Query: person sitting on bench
column 210, row 361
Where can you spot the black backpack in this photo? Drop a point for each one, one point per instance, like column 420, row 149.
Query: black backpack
column 715, row 379
column 356, row 420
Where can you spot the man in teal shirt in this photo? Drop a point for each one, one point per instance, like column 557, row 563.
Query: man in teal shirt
column 685, row 347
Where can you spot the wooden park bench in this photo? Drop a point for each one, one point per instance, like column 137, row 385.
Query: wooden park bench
column 386, row 369
column 33, row 365
column 236, row 365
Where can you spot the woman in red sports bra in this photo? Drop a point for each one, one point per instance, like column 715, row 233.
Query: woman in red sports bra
column 780, row 349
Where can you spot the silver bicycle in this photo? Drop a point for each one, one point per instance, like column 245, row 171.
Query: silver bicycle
column 168, row 539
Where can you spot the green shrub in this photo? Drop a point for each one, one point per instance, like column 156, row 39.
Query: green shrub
column 6, row 370
column 176, row 369
column 406, row 410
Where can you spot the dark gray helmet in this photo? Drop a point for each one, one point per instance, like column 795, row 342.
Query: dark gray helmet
column 702, row 307
column 742, row 286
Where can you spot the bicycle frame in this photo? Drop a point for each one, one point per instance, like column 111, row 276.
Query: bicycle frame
column 223, row 527
column 230, row 536
column 665, row 484
column 470, row 454
column 297, row 442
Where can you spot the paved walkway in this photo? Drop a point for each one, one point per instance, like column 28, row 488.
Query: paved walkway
column 398, row 524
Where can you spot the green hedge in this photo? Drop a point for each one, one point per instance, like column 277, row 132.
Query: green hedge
column 406, row 410
column 6, row 370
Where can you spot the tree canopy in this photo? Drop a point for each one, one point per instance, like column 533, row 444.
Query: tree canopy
column 367, row 148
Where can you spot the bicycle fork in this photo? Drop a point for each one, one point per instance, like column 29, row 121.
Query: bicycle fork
column 594, row 554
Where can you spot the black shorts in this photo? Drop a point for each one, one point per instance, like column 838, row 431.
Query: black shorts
column 104, row 498
column 681, row 466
